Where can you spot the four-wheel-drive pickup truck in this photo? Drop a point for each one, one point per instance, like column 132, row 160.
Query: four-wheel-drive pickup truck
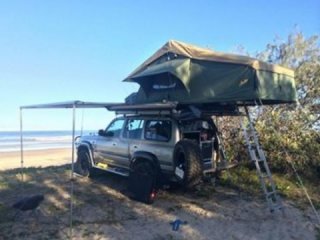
column 152, row 150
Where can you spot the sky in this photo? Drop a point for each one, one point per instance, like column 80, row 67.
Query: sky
column 57, row 51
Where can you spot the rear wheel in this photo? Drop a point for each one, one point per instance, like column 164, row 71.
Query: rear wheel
column 188, row 167
column 142, row 182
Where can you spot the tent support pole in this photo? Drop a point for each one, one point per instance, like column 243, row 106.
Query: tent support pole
column 21, row 146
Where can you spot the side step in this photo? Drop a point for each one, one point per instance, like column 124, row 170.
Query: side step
column 117, row 170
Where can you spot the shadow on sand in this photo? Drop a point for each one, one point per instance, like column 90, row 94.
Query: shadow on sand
column 102, row 210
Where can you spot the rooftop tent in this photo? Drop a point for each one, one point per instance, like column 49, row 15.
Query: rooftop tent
column 190, row 74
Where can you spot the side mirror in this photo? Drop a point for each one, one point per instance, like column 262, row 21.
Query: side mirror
column 101, row 132
column 109, row 134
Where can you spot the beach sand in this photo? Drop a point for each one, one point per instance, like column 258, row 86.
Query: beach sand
column 102, row 209
column 35, row 158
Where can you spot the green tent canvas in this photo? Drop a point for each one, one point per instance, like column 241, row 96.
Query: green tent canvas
column 189, row 74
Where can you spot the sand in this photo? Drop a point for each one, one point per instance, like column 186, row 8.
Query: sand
column 102, row 210
column 35, row 158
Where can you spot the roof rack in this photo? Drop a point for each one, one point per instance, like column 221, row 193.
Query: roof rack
column 176, row 110
column 143, row 107
column 168, row 108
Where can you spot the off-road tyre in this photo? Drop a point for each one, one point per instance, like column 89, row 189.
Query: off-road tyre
column 142, row 182
column 83, row 164
column 187, row 156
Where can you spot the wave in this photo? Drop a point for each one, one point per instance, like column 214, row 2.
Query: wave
column 30, row 148
column 10, row 141
column 34, row 139
column 34, row 146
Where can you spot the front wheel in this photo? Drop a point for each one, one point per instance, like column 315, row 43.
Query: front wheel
column 142, row 182
column 83, row 164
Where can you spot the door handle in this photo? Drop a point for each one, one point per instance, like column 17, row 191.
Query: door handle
column 114, row 144
column 135, row 146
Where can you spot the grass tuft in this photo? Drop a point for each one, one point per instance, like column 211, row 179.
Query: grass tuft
column 245, row 180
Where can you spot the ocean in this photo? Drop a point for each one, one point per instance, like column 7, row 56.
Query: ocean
column 37, row 140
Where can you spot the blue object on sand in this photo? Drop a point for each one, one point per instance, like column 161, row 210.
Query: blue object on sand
column 176, row 224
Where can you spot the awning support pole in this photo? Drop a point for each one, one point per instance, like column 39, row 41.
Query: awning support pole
column 73, row 136
column 72, row 168
column 21, row 146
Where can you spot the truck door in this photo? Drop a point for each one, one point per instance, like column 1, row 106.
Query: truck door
column 133, row 134
column 111, row 148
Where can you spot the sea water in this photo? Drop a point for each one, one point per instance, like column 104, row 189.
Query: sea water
column 37, row 140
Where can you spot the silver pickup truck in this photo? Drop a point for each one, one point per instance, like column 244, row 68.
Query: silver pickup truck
column 152, row 150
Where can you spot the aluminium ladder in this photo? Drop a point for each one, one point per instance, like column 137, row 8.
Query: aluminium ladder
column 257, row 155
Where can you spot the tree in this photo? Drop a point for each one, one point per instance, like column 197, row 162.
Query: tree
column 288, row 132
column 293, row 133
column 303, row 55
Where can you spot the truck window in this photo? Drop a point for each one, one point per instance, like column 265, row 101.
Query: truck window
column 158, row 130
column 133, row 129
column 115, row 127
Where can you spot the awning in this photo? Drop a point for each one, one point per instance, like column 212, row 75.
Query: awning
column 71, row 104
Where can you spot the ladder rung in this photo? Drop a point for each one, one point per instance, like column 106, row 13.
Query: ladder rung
column 253, row 135
column 212, row 170
column 264, row 176
column 258, row 160
column 276, row 207
column 270, row 193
